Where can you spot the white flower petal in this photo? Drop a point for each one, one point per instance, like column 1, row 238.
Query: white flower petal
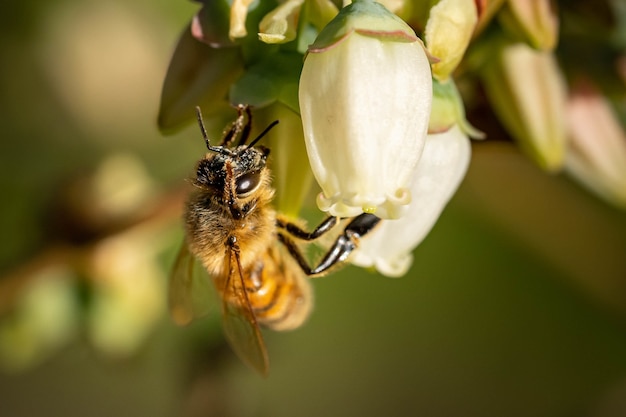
column 365, row 104
column 441, row 169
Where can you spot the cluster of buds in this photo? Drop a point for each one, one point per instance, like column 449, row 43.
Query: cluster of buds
column 373, row 112
column 553, row 110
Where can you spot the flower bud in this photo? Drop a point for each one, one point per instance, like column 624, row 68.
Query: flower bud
column 487, row 10
column 448, row 32
column 279, row 26
column 527, row 92
column 238, row 15
column 597, row 152
column 365, row 96
column 441, row 169
column 534, row 22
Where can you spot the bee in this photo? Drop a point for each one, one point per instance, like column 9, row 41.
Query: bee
column 247, row 248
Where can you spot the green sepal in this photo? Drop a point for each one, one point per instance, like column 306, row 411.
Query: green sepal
column 448, row 110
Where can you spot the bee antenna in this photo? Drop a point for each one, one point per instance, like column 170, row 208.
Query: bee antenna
column 202, row 128
column 263, row 133
column 218, row 149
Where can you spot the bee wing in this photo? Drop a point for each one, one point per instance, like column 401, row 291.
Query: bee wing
column 240, row 325
column 189, row 288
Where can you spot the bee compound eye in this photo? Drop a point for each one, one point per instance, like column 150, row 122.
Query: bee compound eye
column 247, row 183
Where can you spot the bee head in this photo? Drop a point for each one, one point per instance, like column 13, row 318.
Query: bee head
column 243, row 164
column 236, row 172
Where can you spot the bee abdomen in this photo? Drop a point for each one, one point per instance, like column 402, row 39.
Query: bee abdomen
column 281, row 298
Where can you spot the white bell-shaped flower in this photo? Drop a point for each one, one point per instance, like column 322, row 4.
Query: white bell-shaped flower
column 442, row 167
column 365, row 100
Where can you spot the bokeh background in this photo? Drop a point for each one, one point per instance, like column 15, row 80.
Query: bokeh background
column 515, row 305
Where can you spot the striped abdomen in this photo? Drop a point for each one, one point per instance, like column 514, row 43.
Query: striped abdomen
column 279, row 293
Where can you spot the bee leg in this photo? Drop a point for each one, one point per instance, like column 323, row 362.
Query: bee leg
column 245, row 132
column 343, row 246
column 347, row 242
column 238, row 127
column 295, row 231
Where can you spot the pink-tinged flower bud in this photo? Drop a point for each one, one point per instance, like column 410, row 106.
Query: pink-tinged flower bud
column 597, row 152
column 365, row 97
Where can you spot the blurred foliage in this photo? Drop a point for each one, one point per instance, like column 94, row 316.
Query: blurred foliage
column 515, row 305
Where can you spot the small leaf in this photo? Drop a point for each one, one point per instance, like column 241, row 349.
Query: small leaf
column 198, row 75
column 273, row 79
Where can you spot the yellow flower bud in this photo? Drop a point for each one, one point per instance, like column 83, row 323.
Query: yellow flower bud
column 448, row 32
column 534, row 22
column 280, row 24
column 238, row 15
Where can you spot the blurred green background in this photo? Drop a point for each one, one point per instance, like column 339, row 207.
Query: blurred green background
column 515, row 305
